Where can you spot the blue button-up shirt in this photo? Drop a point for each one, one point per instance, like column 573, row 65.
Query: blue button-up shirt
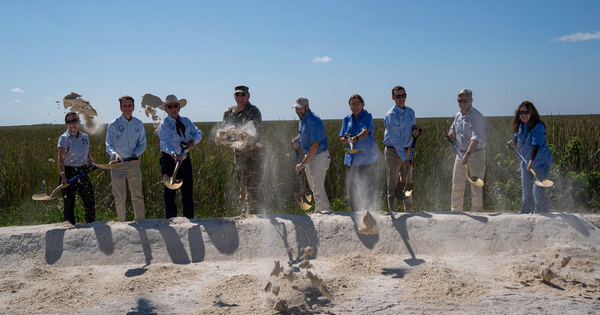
column 536, row 136
column 354, row 126
column 125, row 137
column 77, row 148
column 170, row 141
column 311, row 129
column 471, row 126
column 398, row 129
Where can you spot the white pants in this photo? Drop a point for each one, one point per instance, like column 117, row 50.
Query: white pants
column 476, row 165
column 316, row 169
column 131, row 172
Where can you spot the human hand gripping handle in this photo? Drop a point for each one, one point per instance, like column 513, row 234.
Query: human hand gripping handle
column 542, row 183
column 472, row 179
column 64, row 183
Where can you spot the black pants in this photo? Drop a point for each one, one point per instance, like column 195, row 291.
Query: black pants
column 84, row 187
column 361, row 185
column 167, row 165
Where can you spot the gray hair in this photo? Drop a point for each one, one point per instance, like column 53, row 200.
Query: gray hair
column 466, row 92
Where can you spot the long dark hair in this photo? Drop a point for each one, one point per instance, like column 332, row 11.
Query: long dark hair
column 353, row 96
column 533, row 120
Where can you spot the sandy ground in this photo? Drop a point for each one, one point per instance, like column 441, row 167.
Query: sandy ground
column 415, row 264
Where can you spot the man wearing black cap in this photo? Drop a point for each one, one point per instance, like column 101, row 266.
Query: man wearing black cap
column 248, row 167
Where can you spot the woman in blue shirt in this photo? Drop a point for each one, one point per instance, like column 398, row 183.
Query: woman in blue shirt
column 530, row 135
column 362, row 167
column 73, row 158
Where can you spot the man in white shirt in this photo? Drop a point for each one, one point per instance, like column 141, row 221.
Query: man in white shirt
column 469, row 131
column 126, row 138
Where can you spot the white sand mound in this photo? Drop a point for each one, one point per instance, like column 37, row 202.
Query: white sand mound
column 416, row 263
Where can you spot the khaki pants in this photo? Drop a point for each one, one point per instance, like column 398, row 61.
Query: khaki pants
column 316, row 169
column 131, row 172
column 476, row 165
column 397, row 172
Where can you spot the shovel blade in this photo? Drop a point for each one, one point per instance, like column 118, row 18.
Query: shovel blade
column 473, row 179
column 401, row 192
column 545, row 183
column 106, row 166
column 42, row 197
column 300, row 200
column 476, row 181
column 53, row 195
column 172, row 183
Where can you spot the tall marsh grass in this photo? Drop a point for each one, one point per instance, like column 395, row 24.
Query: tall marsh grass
column 28, row 165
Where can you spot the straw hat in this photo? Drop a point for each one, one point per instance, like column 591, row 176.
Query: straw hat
column 172, row 99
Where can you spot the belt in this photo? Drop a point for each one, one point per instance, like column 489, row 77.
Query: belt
column 392, row 147
column 476, row 150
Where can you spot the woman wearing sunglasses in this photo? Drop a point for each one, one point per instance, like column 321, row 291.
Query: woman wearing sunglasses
column 530, row 135
column 74, row 158
column 177, row 134
column 361, row 181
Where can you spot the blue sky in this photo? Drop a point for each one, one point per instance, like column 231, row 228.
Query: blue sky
column 505, row 51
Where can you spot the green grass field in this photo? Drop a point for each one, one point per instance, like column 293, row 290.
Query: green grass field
column 28, row 165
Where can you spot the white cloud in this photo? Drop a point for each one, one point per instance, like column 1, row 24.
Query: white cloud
column 48, row 98
column 17, row 90
column 577, row 37
column 322, row 59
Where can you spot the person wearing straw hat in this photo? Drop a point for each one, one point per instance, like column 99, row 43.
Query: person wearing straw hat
column 469, row 130
column 399, row 123
column 74, row 158
column 177, row 134
column 126, row 137
column 249, row 161
column 313, row 141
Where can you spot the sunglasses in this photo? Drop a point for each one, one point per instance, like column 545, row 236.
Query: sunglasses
column 355, row 103
column 400, row 95
column 72, row 121
column 524, row 112
column 465, row 101
column 173, row 106
column 240, row 94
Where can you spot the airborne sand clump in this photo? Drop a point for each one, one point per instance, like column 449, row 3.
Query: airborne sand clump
column 241, row 139
column 369, row 225
column 150, row 103
column 292, row 287
column 74, row 103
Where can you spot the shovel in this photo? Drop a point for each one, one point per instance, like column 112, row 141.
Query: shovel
column 351, row 150
column 172, row 182
column 472, row 179
column 114, row 164
column 55, row 194
column 403, row 192
column 544, row 183
column 304, row 199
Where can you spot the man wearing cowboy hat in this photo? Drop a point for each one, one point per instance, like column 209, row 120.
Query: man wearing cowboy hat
column 177, row 134
column 248, row 166
column 126, row 137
